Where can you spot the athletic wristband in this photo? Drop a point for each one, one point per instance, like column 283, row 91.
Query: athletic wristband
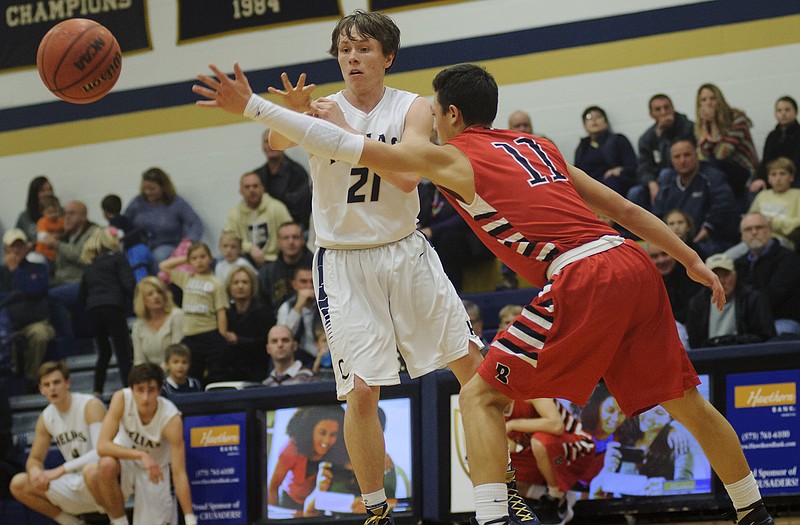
column 190, row 519
column 314, row 135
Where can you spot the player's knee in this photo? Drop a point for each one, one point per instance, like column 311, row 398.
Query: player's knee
column 19, row 484
column 363, row 399
column 539, row 449
column 107, row 469
column 478, row 395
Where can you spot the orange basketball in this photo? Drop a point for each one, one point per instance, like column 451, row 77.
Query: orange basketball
column 79, row 60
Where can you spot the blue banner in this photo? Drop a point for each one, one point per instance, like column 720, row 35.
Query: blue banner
column 216, row 463
column 762, row 407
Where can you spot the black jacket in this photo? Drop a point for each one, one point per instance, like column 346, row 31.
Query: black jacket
column 753, row 317
column 248, row 357
column 24, row 293
column 107, row 281
column 777, row 274
column 781, row 143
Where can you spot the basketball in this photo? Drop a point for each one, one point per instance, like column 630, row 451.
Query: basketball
column 79, row 60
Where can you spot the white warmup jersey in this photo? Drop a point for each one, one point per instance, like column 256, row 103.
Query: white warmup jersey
column 352, row 208
column 134, row 434
column 69, row 429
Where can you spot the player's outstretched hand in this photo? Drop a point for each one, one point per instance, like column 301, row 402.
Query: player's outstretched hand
column 702, row 274
column 154, row 472
column 230, row 94
column 295, row 97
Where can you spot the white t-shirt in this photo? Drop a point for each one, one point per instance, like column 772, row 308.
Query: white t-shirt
column 351, row 209
column 69, row 429
column 135, row 434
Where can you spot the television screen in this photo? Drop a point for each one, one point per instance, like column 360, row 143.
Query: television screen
column 647, row 455
column 309, row 475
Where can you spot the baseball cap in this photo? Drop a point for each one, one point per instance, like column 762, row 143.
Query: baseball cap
column 720, row 260
column 13, row 235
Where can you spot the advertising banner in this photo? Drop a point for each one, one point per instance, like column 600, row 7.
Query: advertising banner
column 762, row 407
column 216, row 463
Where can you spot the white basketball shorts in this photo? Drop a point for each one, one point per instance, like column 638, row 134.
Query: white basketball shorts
column 70, row 494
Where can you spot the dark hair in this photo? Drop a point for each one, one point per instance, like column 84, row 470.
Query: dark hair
column 659, row 458
column 32, row 204
column 590, row 414
column 368, row 25
column 471, row 89
column 111, row 204
column 598, row 109
column 682, row 139
column 198, row 246
column 656, row 97
column 177, row 349
column 301, row 425
column 160, row 177
column 49, row 201
column 688, row 218
column 300, row 268
column 144, row 373
column 48, row 367
column 290, row 223
column 790, row 100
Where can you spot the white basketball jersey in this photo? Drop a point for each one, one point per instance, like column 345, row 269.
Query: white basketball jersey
column 135, row 434
column 69, row 429
column 352, row 208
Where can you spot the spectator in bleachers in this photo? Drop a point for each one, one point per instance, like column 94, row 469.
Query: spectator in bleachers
column 106, row 291
column 178, row 358
column 606, row 156
column 701, row 191
column 287, row 181
column 248, row 323
column 163, row 214
column 773, row 270
column 286, row 368
column 158, row 324
column 63, row 293
column 134, row 240
column 520, row 121
column 256, row 220
column 724, row 141
column 680, row 288
column 11, row 455
column 654, row 144
column 323, row 364
column 745, row 318
column 506, row 316
column 230, row 249
column 682, row 225
column 38, row 188
column 50, row 223
column 300, row 313
column 783, row 141
column 476, row 320
column 204, row 305
column 23, row 288
column 276, row 276
column 72, row 421
column 455, row 243
column 780, row 204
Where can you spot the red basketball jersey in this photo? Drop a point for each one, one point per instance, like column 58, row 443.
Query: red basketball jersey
column 526, row 209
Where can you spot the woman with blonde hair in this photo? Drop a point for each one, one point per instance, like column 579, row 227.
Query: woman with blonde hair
column 158, row 324
column 249, row 321
column 105, row 291
column 723, row 139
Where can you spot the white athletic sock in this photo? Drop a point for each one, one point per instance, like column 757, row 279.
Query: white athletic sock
column 122, row 520
column 374, row 499
column 491, row 502
column 744, row 492
column 555, row 492
column 68, row 519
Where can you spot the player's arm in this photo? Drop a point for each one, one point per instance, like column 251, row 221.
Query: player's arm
column 93, row 414
column 549, row 419
column 607, row 202
column 34, row 465
column 403, row 163
column 295, row 97
column 173, row 433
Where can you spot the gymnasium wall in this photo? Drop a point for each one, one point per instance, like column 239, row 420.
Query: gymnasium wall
column 551, row 59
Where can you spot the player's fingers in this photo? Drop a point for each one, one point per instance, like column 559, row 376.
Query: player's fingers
column 208, row 81
column 204, row 91
column 301, row 81
column 287, row 85
column 309, row 88
column 221, row 77
column 238, row 72
column 276, row 91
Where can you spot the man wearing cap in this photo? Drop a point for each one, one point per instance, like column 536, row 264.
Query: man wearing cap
column 746, row 317
column 23, row 291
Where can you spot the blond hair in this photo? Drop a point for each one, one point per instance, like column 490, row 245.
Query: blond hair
column 101, row 239
column 250, row 273
column 161, row 288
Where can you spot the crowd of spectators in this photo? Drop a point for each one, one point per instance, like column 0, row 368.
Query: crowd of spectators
column 65, row 276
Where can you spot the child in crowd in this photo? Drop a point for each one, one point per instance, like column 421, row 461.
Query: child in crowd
column 178, row 358
column 106, row 291
column 230, row 249
column 134, row 240
column 204, row 305
column 780, row 203
column 51, row 223
column 506, row 315
column 323, row 364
